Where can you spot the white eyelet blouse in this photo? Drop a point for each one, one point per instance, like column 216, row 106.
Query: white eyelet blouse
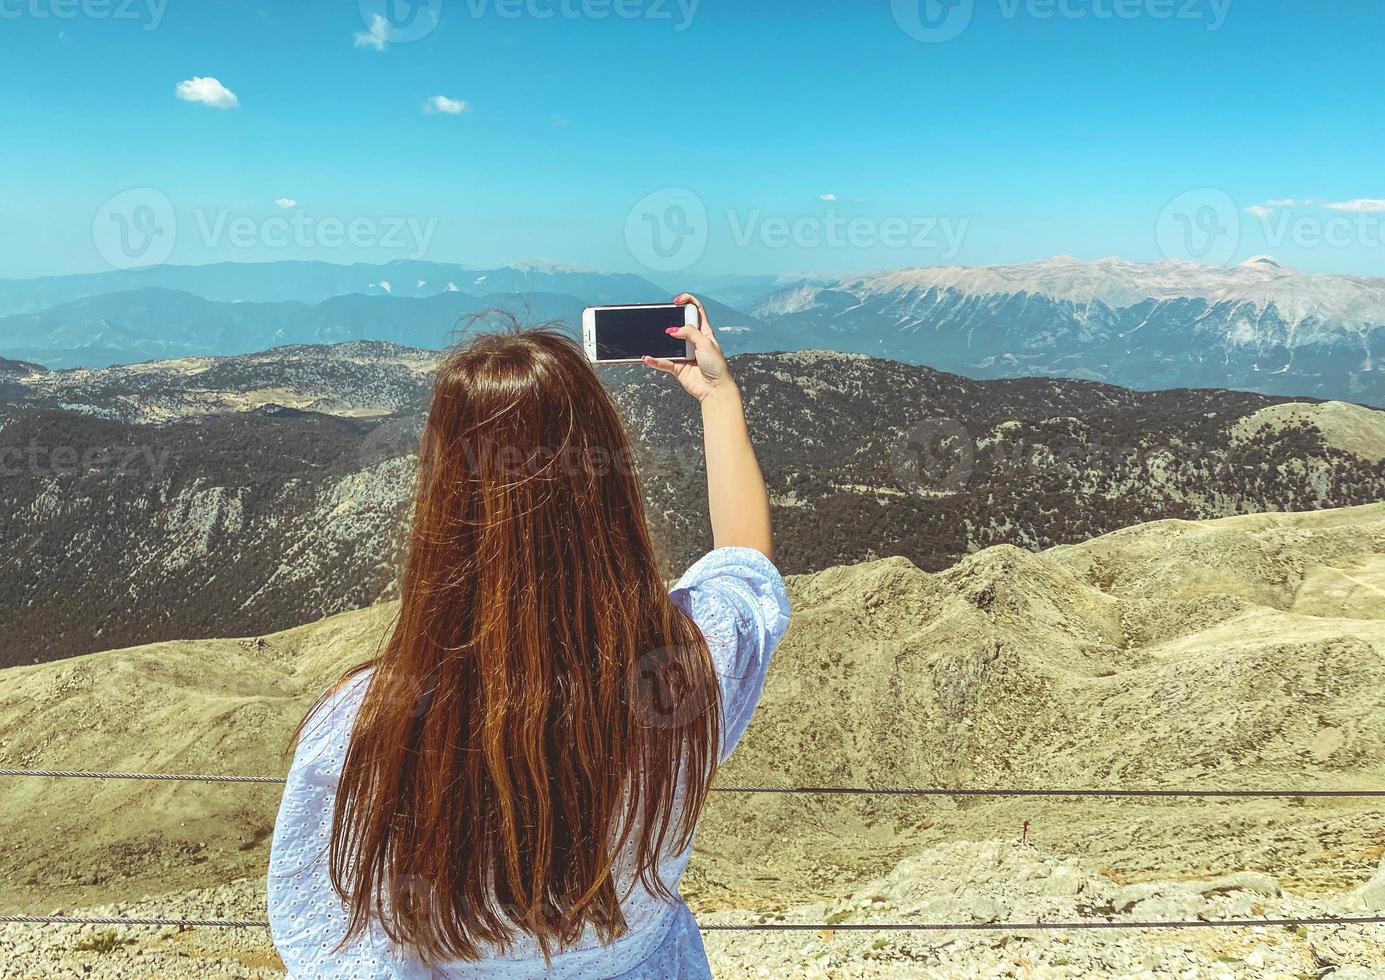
column 737, row 597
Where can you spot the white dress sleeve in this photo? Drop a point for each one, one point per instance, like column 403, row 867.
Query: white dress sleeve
column 737, row 597
column 307, row 919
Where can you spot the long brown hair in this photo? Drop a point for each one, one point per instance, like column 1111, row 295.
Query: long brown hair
column 541, row 702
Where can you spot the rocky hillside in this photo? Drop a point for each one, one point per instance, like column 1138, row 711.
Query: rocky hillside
column 360, row 378
column 207, row 497
column 1241, row 653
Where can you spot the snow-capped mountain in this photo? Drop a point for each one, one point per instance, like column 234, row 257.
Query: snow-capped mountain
column 1259, row 325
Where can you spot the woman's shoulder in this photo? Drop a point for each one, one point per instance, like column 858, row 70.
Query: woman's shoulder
column 736, row 595
column 746, row 564
column 329, row 722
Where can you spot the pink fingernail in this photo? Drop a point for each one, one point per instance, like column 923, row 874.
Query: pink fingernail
column 672, row 330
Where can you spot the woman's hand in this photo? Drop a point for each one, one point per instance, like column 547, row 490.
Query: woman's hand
column 709, row 373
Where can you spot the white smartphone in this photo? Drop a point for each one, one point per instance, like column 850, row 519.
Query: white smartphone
column 624, row 334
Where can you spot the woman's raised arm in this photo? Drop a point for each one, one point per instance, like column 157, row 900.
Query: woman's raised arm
column 736, row 494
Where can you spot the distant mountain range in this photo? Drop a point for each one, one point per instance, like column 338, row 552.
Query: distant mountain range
column 1258, row 326
column 232, row 496
column 155, row 324
column 313, row 282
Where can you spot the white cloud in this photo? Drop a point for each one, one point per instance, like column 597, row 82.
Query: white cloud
column 1360, row 205
column 377, row 36
column 208, row 91
column 1275, row 203
column 442, row 105
column 829, row 198
column 284, row 203
column 559, row 122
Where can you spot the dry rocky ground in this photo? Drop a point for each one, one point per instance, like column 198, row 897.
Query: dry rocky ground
column 1242, row 653
column 971, row 883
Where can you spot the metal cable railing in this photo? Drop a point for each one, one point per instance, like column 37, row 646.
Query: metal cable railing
column 789, row 926
column 808, row 790
column 77, row 920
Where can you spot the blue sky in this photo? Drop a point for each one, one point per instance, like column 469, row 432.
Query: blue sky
column 1042, row 127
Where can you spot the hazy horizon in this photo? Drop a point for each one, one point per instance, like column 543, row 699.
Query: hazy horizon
column 546, row 263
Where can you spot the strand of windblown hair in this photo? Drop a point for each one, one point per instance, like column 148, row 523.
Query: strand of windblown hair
column 804, row 790
column 1369, row 920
